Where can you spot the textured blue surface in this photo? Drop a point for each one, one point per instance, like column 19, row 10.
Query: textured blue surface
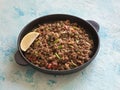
column 102, row 74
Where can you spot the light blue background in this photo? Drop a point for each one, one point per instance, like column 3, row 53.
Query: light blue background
column 102, row 74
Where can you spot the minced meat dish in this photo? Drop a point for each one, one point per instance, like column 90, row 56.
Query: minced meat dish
column 61, row 45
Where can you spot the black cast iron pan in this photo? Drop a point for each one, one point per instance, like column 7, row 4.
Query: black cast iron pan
column 90, row 26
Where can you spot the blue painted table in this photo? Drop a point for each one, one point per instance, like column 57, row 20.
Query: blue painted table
column 102, row 74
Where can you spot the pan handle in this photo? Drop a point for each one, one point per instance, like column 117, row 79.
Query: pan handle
column 19, row 59
column 94, row 24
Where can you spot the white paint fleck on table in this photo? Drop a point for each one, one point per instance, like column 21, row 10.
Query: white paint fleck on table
column 102, row 74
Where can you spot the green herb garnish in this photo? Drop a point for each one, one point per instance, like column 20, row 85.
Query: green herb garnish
column 57, row 56
column 60, row 46
column 73, row 63
column 76, row 28
column 56, row 41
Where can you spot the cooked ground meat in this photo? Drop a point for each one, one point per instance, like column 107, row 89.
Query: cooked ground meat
column 61, row 45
